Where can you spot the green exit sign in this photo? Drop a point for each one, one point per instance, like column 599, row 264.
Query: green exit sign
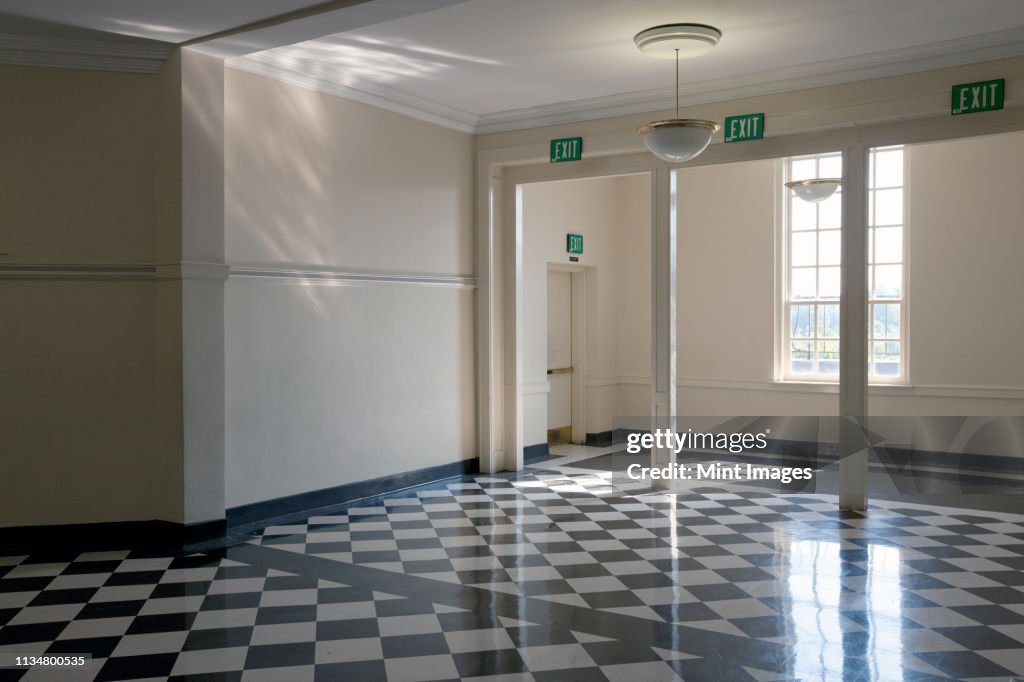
column 566, row 149
column 574, row 243
column 744, row 128
column 970, row 98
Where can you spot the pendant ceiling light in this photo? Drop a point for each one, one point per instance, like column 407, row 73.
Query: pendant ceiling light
column 814, row 190
column 677, row 139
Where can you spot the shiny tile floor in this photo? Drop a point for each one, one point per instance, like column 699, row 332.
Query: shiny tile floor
column 546, row 575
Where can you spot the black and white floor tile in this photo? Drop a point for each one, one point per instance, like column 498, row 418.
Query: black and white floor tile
column 546, row 575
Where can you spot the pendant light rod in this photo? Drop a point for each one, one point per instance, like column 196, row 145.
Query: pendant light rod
column 677, row 82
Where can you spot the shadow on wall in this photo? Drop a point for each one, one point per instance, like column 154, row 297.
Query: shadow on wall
column 319, row 182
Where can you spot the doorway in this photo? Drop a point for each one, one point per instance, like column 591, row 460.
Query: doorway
column 585, row 307
column 560, row 357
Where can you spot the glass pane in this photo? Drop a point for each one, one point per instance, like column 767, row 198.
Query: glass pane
column 803, row 249
column 888, row 243
column 801, row 321
column 886, row 321
column 803, row 215
column 801, row 357
column 829, row 245
column 828, row 357
column 888, row 281
column 830, row 216
column 888, row 207
column 831, row 167
column 802, row 169
column 886, row 362
column 828, row 283
column 828, row 321
column 888, row 168
column 802, row 284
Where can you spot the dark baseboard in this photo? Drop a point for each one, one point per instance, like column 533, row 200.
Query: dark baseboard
column 599, row 439
column 536, row 453
column 207, row 531
column 619, row 435
column 156, row 535
column 258, row 514
column 173, row 537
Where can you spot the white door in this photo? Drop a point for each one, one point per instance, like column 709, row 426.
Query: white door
column 560, row 357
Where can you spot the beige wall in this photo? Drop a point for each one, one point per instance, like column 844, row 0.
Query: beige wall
column 77, row 177
column 633, row 302
column 315, row 179
column 964, row 279
column 725, row 271
column 966, row 243
column 77, row 408
column 328, row 385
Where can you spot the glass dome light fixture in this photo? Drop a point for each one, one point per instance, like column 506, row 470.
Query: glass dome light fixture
column 815, row 190
column 677, row 139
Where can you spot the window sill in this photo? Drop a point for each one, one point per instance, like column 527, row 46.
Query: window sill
column 874, row 390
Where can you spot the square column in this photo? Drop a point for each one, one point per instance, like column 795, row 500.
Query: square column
column 853, row 332
column 663, row 311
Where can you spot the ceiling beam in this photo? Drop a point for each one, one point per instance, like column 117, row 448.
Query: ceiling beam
column 308, row 23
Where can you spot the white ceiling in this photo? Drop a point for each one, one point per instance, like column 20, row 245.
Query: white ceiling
column 497, row 64
column 500, row 64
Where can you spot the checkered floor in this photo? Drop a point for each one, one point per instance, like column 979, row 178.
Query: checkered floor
column 546, row 576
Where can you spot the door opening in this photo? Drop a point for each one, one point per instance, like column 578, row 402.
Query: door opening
column 560, row 357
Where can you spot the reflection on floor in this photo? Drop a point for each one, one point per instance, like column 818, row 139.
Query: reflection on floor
column 954, row 483
column 548, row 575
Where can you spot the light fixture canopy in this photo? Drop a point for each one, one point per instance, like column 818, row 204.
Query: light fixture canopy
column 815, row 190
column 677, row 139
column 692, row 40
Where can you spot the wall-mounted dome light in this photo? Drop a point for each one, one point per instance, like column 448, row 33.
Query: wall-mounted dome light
column 677, row 139
column 814, row 190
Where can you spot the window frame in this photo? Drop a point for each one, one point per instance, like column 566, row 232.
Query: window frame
column 784, row 303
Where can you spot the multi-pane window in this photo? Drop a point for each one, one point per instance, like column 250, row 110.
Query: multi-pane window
column 813, row 251
column 885, row 255
column 814, row 243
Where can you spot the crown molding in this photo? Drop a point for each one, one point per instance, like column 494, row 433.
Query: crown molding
column 132, row 56
column 950, row 53
column 324, row 78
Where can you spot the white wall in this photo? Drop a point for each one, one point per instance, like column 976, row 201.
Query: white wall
column 613, row 215
column 333, row 384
